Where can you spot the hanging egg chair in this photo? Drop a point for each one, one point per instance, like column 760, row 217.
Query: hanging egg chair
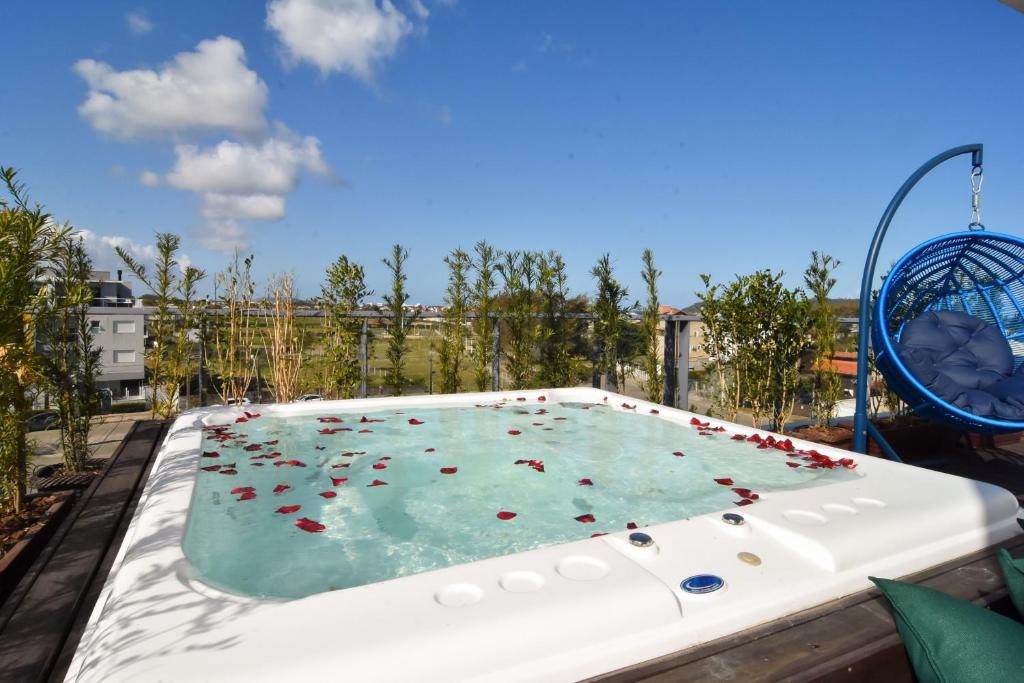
column 947, row 327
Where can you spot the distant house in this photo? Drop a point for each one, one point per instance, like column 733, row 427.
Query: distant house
column 698, row 357
column 118, row 320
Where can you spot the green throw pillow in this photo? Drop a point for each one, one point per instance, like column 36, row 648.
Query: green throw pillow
column 1013, row 573
column 952, row 641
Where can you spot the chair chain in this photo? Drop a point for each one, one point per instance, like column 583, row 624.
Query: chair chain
column 977, row 178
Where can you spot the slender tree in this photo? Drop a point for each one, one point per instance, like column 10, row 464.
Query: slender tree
column 343, row 292
column 395, row 302
column 482, row 297
column 609, row 310
column 29, row 240
column 169, row 360
column 555, row 326
column 283, row 338
column 72, row 360
column 233, row 333
column 824, row 330
column 654, row 381
column 453, row 339
column 518, row 270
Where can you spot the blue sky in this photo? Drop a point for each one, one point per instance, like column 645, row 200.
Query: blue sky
column 725, row 136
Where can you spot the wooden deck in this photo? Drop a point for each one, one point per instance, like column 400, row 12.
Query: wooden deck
column 42, row 621
column 852, row 639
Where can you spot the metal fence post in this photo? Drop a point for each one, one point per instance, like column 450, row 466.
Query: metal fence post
column 671, row 374
column 496, row 355
column 364, row 358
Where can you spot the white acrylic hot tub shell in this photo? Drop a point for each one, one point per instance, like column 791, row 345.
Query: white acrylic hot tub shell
column 155, row 621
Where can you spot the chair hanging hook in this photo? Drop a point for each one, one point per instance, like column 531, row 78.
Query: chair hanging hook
column 977, row 178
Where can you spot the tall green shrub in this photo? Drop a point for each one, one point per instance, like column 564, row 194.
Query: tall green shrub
column 71, row 361
column 453, row 341
column 29, row 240
column 170, row 360
column 232, row 333
column 344, row 291
column 555, row 327
column 395, row 302
column 819, row 281
column 609, row 309
column 482, row 297
column 654, row 382
column 518, row 271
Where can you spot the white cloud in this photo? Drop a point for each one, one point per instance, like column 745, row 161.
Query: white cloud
column 138, row 23
column 101, row 249
column 243, row 181
column 419, row 9
column 149, row 178
column 210, row 88
column 350, row 36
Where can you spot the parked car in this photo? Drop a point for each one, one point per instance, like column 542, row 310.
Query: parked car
column 308, row 397
column 43, row 421
column 236, row 402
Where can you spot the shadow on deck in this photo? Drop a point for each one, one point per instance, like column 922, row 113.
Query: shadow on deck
column 43, row 619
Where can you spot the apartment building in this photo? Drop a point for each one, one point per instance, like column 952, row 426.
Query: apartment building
column 118, row 320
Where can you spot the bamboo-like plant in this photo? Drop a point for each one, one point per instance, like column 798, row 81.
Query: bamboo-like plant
column 519, row 273
column 283, row 338
column 556, row 367
column 824, row 330
column 482, row 297
column 169, row 360
column 29, row 240
column 71, row 361
column 653, row 384
column 609, row 309
column 233, row 333
column 342, row 293
column 453, row 340
column 395, row 302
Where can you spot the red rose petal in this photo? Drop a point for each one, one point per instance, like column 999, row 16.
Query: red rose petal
column 678, row 454
column 793, row 464
column 724, row 482
column 514, row 432
column 241, row 489
column 586, row 519
column 365, row 431
column 378, row 482
column 309, row 525
column 585, row 482
column 338, row 481
column 229, row 471
column 289, row 463
column 630, row 525
column 429, row 450
column 741, row 503
column 449, row 470
column 655, row 411
column 248, row 495
column 344, row 464
column 542, row 398
column 379, row 466
column 599, row 533
column 754, row 438
column 561, row 418
column 739, row 437
column 504, row 515
column 210, row 468
column 281, row 488
column 211, row 454
column 414, row 421
column 288, row 509
column 328, row 494
column 629, row 407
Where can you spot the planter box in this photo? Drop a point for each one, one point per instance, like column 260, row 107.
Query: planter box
column 19, row 558
column 911, row 441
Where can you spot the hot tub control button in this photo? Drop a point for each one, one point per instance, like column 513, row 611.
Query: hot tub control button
column 640, row 539
column 702, row 583
column 733, row 518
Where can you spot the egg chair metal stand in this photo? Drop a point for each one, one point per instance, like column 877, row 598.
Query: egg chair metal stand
column 973, row 271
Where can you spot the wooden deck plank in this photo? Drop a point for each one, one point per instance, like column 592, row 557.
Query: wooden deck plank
column 34, row 635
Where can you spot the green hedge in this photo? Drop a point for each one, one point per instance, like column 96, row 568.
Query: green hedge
column 129, row 407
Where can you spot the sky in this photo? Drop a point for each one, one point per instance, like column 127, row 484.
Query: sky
column 726, row 136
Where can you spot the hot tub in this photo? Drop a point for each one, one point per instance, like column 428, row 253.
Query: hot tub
column 503, row 536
